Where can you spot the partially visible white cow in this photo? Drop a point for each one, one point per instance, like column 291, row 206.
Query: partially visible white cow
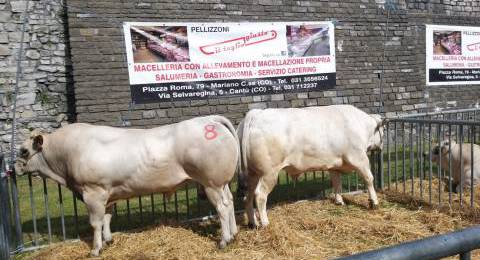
column 333, row 138
column 444, row 149
column 105, row 164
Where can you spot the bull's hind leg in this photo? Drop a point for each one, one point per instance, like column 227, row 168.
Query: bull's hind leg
column 232, row 222
column 337, row 187
column 360, row 162
column 95, row 200
column 264, row 187
column 220, row 200
column 252, row 185
column 107, row 234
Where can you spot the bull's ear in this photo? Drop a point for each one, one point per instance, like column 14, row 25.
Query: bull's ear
column 384, row 121
column 37, row 142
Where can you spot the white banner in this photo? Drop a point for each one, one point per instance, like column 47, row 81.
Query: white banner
column 452, row 55
column 160, row 54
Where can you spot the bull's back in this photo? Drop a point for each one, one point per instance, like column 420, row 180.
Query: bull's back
column 149, row 159
column 318, row 126
column 105, row 154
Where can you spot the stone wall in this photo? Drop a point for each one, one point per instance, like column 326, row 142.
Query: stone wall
column 42, row 99
column 101, row 79
column 92, row 39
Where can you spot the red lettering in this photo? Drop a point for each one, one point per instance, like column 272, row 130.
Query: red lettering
column 210, row 132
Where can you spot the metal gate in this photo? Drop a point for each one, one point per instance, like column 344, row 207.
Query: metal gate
column 5, row 233
column 407, row 160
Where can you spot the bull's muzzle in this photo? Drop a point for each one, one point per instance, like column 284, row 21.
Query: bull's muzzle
column 20, row 165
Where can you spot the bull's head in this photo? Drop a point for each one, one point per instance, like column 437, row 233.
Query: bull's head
column 441, row 149
column 376, row 140
column 28, row 152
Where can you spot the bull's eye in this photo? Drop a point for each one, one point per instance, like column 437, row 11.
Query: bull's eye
column 23, row 152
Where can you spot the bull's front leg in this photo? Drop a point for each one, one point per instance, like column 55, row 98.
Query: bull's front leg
column 361, row 163
column 95, row 202
column 107, row 234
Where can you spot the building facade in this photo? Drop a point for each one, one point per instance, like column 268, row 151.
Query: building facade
column 74, row 69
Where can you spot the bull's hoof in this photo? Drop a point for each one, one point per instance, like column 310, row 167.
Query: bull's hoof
column 252, row 226
column 95, row 252
column 109, row 242
column 222, row 244
column 340, row 203
column 234, row 232
column 372, row 204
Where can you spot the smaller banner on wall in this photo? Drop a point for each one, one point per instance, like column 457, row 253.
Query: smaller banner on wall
column 453, row 55
column 187, row 61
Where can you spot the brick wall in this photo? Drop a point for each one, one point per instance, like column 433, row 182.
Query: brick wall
column 101, row 79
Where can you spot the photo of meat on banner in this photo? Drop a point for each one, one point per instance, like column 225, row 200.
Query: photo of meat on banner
column 307, row 40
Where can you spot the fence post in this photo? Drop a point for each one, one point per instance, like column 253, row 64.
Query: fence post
column 466, row 256
column 381, row 180
column 4, row 212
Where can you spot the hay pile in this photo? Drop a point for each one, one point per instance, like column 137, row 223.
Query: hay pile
column 301, row 230
column 415, row 200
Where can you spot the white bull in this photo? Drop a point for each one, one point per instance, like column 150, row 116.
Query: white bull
column 105, row 164
column 333, row 138
column 447, row 149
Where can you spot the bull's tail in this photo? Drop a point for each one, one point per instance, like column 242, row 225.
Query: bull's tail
column 241, row 180
column 224, row 121
column 244, row 135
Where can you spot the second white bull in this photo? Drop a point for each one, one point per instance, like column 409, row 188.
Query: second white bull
column 334, row 138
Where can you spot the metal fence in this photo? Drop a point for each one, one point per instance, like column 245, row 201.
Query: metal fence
column 412, row 158
column 4, row 216
column 41, row 212
column 468, row 114
column 49, row 212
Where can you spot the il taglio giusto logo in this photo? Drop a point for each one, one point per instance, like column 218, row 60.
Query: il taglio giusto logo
column 238, row 43
column 473, row 46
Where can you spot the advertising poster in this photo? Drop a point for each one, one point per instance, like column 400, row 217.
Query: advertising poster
column 453, row 55
column 187, row 61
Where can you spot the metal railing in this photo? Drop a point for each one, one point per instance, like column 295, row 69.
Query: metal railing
column 469, row 114
column 48, row 212
column 436, row 247
column 412, row 158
